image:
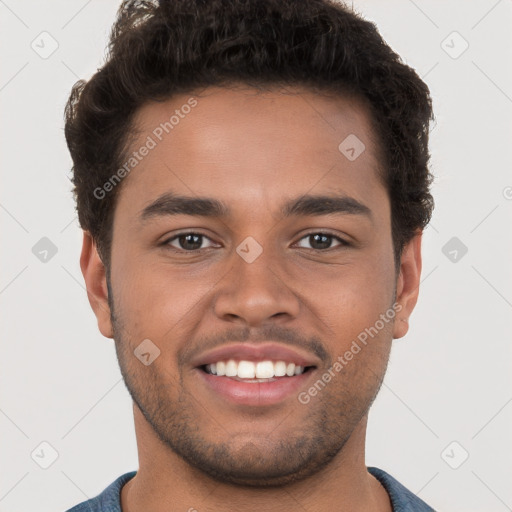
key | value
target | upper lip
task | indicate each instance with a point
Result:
(256, 352)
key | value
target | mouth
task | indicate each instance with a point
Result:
(255, 371)
(256, 383)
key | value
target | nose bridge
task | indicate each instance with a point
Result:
(255, 289)
(256, 263)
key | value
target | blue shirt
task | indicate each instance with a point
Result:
(401, 498)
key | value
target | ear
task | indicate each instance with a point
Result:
(408, 283)
(94, 274)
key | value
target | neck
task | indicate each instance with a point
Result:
(165, 482)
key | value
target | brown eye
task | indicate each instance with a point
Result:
(187, 241)
(320, 241)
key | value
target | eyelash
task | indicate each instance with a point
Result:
(342, 242)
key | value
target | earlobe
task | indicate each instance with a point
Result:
(407, 287)
(94, 274)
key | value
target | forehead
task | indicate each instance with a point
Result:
(247, 147)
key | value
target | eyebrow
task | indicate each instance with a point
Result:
(170, 204)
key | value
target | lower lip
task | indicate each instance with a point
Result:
(255, 393)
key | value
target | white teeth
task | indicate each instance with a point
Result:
(249, 370)
(265, 370)
(231, 368)
(221, 368)
(246, 370)
(280, 369)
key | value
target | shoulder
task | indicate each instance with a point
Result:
(401, 498)
(109, 500)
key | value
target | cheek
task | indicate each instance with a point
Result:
(351, 298)
(156, 302)
(351, 312)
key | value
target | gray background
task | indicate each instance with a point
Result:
(447, 393)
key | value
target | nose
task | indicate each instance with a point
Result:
(254, 292)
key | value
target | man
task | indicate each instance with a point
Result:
(252, 181)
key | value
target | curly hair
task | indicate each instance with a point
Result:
(159, 49)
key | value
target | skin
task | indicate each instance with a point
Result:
(252, 150)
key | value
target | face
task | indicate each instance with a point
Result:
(285, 250)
